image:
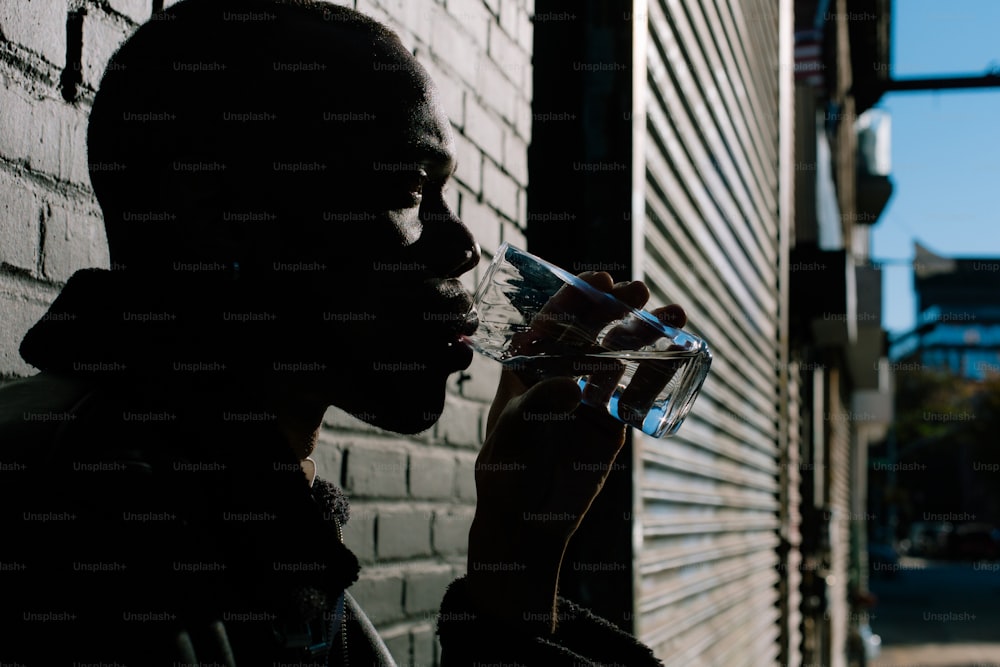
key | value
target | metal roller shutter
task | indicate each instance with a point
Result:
(708, 500)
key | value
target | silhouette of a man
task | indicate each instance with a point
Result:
(271, 176)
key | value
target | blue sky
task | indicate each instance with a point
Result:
(945, 145)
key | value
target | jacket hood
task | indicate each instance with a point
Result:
(107, 324)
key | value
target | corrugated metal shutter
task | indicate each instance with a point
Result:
(792, 567)
(708, 499)
(840, 519)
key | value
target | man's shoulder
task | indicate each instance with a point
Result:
(34, 409)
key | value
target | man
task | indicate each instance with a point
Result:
(271, 176)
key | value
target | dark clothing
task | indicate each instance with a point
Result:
(152, 523)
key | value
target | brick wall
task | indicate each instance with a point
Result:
(413, 498)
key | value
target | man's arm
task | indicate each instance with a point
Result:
(545, 459)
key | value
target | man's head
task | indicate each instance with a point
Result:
(291, 157)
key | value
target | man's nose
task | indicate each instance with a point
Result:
(452, 248)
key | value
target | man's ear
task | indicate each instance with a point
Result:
(197, 192)
(191, 186)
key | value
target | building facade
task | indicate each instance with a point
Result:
(958, 316)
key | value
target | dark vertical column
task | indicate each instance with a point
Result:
(579, 203)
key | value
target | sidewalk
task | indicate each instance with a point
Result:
(939, 655)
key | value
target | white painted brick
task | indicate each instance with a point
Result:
(470, 163)
(39, 26)
(403, 533)
(500, 190)
(397, 640)
(527, 88)
(359, 532)
(432, 473)
(498, 93)
(508, 17)
(102, 35)
(47, 134)
(453, 45)
(515, 158)
(451, 531)
(513, 235)
(475, 17)
(465, 477)
(375, 469)
(328, 457)
(376, 10)
(380, 594)
(58, 137)
(493, 6)
(484, 129)
(525, 29)
(15, 123)
(451, 94)
(20, 224)
(423, 644)
(459, 424)
(19, 315)
(522, 208)
(73, 149)
(415, 17)
(135, 10)
(73, 241)
(522, 121)
(452, 198)
(513, 61)
(482, 221)
(424, 588)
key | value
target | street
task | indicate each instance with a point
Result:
(937, 614)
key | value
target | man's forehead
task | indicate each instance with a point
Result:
(422, 135)
(432, 131)
(391, 102)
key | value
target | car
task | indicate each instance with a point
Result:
(974, 541)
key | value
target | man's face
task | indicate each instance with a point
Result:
(335, 156)
(386, 307)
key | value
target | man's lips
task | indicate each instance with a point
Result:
(454, 312)
(471, 323)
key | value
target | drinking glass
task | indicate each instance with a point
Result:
(541, 321)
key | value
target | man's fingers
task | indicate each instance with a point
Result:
(634, 293)
(672, 315)
(598, 279)
(570, 317)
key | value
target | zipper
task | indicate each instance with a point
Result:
(343, 614)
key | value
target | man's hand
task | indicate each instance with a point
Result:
(545, 459)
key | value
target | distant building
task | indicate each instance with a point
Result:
(958, 316)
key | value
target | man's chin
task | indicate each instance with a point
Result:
(401, 409)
